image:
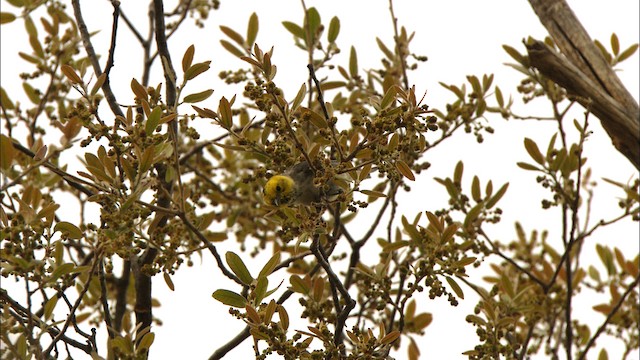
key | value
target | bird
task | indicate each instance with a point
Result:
(296, 186)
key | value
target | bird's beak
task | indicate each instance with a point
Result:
(276, 200)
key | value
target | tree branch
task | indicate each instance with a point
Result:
(585, 73)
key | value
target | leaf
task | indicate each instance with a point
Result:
(6, 17)
(495, 198)
(32, 94)
(226, 116)
(615, 44)
(153, 120)
(527, 166)
(390, 337)
(232, 49)
(299, 285)
(267, 269)
(71, 74)
(334, 29)
(187, 58)
(534, 152)
(284, 316)
(72, 231)
(299, 97)
(312, 23)
(405, 170)
(8, 152)
(233, 35)
(457, 173)
(230, 298)
(61, 270)
(389, 97)
(513, 53)
(196, 69)
(293, 28)
(475, 189)
(252, 29)
(139, 90)
(353, 63)
(168, 281)
(628, 52)
(499, 97)
(99, 82)
(146, 341)
(49, 306)
(455, 287)
(197, 97)
(238, 267)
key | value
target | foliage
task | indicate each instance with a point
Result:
(160, 190)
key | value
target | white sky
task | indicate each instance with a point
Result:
(460, 38)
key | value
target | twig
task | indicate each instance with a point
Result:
(86, 40)
(612, 313)
(75, 306)
(23, 312)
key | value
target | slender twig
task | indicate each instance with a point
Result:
(212, 249)
(396, 37)
(612, 313)
(72, 311)
(93, 58)
(105, 303)
(114, 32)
(21, 312)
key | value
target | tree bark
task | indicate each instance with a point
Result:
(585, 73)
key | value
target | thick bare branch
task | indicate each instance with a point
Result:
(585, 73)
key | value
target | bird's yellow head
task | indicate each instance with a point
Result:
(279, 190)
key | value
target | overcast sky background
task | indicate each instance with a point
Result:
(460, 38)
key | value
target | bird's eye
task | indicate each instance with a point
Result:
(278, 188)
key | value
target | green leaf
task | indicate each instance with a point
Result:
(168, 281)
(353, 63)
(49, 306)
(232, 49)
(196, 69)
(61, 270)
(293, 28)
(628, 52)
(153, 120)
(267, 269)
(405, 170)
(299, 97)
(6, 17)
(8, 152)
(389, 97)
(514, 53)
(457, 172)
(197, 97)
(230, 298)
(455, 287)
(475, 189)
(615, 44)
(334, 29)
(72, 231)
(32, 94)
(495, 198)
(187, 58)
(299, 285)
(261, 289)
(312, 22)
(527, 166)
(252, 29)
(146, 341)
(233, 35)
(534, 152)
(238, 267)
